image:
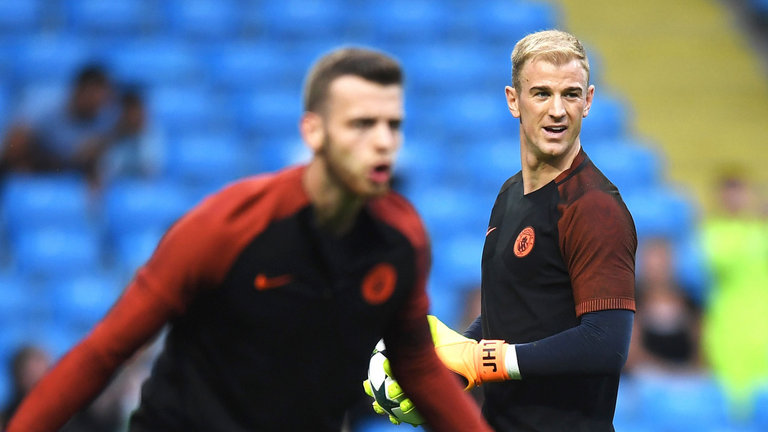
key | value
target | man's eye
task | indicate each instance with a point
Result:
(395, 125)
(363, 123)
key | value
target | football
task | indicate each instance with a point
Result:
(388, 397)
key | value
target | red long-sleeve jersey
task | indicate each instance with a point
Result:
(272, 320)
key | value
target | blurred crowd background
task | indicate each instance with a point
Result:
(117, 116)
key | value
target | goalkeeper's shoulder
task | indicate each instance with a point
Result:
(397, 212)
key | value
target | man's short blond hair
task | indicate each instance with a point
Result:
(555, 46)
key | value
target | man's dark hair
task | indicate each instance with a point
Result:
(371, 65)
(91, 74)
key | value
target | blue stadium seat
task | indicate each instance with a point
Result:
(290, 21)
(630, 166)
(154, 62)
(131, 205)
(277, 153)
(82, 300)
(34, 98)
(445, 67)
(760, 413)
(422, 161)
(691, 266)
(50, 58)
(99, 19)
(186, 109)
(683, 402)
(661, 211)
(208, 160)
(204, 20)
(446, 303)
(21, 17)
(269, 114)
(487, 164)
(51, 200)
(249, 67)
(457, 256)
(56, 252)
(18, 300)
(397, 21)
(505, 22)
(133, 248)
(608, 119)
(475, 116)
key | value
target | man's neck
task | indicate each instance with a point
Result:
(336, 209)
(539, 171)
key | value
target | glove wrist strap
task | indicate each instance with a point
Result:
(490, 361)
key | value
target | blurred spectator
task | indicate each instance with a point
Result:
(69, 134)
(28, 365)
(667, 323)
(735, 331)
(136, 147)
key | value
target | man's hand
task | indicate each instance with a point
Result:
(476, 362)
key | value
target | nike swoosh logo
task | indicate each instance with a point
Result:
(262, 282)
(490, 230)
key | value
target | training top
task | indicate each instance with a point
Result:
(550, 256)
(272, 320)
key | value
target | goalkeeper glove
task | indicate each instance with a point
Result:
(476, 362)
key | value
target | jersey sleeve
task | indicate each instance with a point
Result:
(598, 242)
(181, 265)
(428, 383)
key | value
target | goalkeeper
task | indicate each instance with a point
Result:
(558, 265)
(275, 288)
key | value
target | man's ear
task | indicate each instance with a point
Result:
(512, 101)
(590, 97)
(312, 130)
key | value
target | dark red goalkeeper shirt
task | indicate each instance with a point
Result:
(272, 321)
(550, 256)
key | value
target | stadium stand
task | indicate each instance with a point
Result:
(223, 78)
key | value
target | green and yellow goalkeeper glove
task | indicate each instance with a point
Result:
(476, 362)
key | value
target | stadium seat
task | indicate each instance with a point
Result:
(439, 68)
(56, 252)
(760, 413)
(291, 21)
(187, 109)
(131, 205)
(456, 258)
(691, 266)
(82, 300)
(661, 211)
(50, 58)
(487, 164)
(51, 200)
(21, 17)
(505, 22)
(469, 117)
(250, 67)
(131, 249)
(206, 160)
(154, 62)
(99, 19)
(397, 21)
(277, 153)
(204, 20)
(269, 114)
(677, 402)
(17, 299)
(446, 303)
(630, 166)
(608, 119)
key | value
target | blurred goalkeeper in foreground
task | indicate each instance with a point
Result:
(558, 263)
(277, 287)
